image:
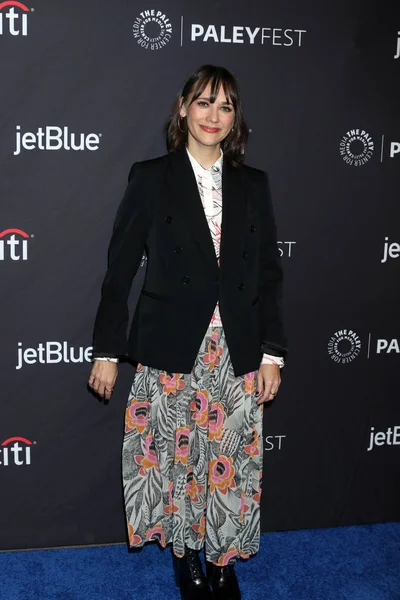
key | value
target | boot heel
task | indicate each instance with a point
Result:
(223, 581)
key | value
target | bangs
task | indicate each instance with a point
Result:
(216, 81)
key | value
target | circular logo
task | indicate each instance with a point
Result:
(152, 29)
(344, 346)
(356, 147)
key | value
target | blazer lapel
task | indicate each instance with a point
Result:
(183, 186)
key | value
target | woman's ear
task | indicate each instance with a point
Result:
(182, 108)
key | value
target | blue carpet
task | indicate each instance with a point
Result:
(343, 563)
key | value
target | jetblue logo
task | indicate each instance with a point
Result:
(52, 353)
(390, 437)
(53, 138)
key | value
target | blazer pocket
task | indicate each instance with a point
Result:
(155, 296)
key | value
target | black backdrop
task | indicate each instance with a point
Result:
(321, 91)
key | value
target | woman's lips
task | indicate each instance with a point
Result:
(210, 129)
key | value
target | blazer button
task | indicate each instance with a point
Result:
(185, 280)
(252, 228)
(241, 287)
(178, 249)
(168, 220)
(245, 255)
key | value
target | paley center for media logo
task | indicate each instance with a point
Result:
(52, 137)
(357, 147)
(345, 345)
(14, 244)
(152, 29)
(52, 353)
(14, 18)
(15, 451)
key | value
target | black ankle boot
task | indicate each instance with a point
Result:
(191, 579)
(223, 581)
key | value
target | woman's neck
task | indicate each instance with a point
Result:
(205, 155)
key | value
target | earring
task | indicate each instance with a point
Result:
(179, 124)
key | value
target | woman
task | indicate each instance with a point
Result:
(207, 334)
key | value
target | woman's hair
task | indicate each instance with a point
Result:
(176, 128)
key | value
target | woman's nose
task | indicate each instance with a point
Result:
(213, 114)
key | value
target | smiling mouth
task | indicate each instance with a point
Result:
(210, 129)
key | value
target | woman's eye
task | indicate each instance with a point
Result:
(227, 108)
(202, 103)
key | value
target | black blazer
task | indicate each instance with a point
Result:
(161, 214)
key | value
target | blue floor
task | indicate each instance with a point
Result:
(352, 563)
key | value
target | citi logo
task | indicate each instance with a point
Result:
(14, 22)
(52, 353)
(15, 451)
(16, 246)
(54, 138)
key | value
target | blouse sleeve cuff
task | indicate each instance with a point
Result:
(107, 358)
(268, 359)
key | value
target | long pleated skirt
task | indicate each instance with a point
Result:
(192, 457)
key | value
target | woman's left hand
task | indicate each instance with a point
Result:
(268, 382)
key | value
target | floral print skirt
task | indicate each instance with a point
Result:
(192, 457)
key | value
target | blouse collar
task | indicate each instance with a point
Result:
(200, 170)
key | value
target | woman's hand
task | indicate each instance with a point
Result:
(102, 378)
(268, 382)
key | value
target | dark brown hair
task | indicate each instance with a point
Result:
(176, 129)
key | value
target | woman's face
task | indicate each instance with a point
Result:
(209, 123)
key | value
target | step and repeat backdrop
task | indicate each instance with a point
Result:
(85, 90)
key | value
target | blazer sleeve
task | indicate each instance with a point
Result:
(131, 226)
(274, 340)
